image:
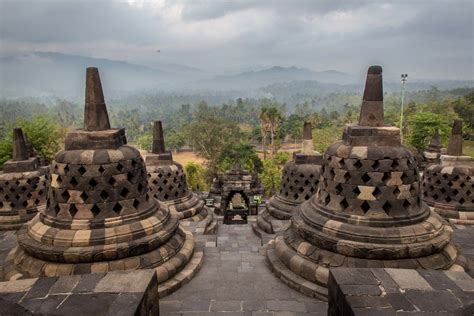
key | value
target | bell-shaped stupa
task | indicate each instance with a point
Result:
(167, 182)
(23, 185)
(99, 214)
(449, 185)
(299, 181)
(367, 211)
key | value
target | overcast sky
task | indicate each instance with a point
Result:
(426, 38)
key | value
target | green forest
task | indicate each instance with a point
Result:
(252, 132)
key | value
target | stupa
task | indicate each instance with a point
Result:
(367, 211)
(448, 186)
(99, 214)
(23, 185)
(167, 182)
(433, 151)
(299, 181)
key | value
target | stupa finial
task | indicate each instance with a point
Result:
(371, 111)
(455, 140)
(308, 147)
(96, 117)
(158, 146)
(20, 152)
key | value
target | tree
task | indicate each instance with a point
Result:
(271, 120)
(324, 137)
(272, 168)
(46, 136)
(195, 176)
(210, 134)
(243, 153)
(264, 128)
(174, 140)
(423, 125)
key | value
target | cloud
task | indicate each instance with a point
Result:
(429, 38)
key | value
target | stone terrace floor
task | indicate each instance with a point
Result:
(235, 280)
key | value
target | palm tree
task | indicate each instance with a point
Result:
(264, 127)
(274, 119)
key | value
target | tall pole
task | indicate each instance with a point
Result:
(403, 81)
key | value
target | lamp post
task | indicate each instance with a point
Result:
(403, 81)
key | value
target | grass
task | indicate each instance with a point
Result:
(468, 148)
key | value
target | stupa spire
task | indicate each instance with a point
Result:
(20, 152)
(158, 146)
(308, 146)
(371, 111)
(96, 117)
(455, 140)
(436, 139)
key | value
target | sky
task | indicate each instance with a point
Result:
(428, 39)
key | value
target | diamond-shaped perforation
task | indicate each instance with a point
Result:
(365, 206)
(65, 195)
(95, 210)
(72, 210)
(117, 208)
(82, 170)
(93, 183)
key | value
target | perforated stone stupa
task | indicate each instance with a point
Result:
(100, 215)
(167, 182)
(23, 185)
(367, 212)
(299, 181)
(449, 185)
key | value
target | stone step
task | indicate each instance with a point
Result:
(292, 279)
(183, 277)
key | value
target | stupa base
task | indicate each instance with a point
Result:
(16, 221)
(305, 267)
(175, 263)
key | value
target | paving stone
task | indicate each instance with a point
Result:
(432, 301)
(282, 305)
(408, 279)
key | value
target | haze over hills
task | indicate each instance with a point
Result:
(56, 74)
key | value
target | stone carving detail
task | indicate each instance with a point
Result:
(449, 185)
(23, 184)
(99, 214)
(367, 212)
(299, 181)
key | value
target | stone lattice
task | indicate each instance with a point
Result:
(99, 214)
(299, 181)
(167, 182)
(367, 212)
(449, 186)
(23, 184)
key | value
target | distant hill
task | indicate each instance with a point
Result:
(47, 74)
(276, 74)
